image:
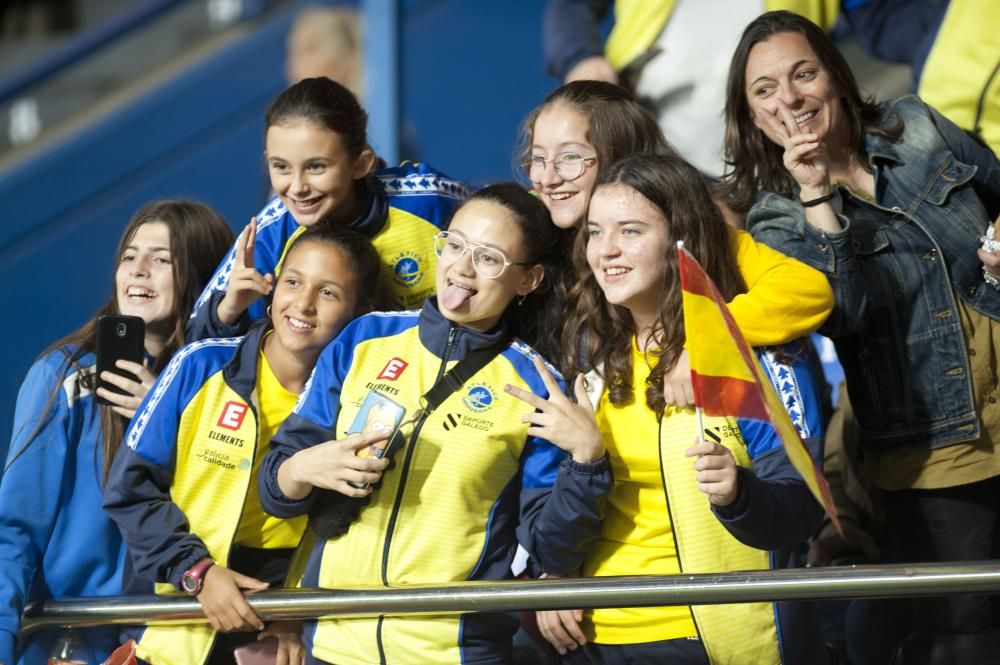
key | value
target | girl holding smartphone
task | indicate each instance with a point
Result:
(55, 541)
(183, 490)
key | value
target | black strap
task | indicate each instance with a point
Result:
(456, 377)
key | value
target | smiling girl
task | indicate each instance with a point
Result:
(55, 541)
(685, 500)
(323, 171)
(184, 491)
(469, 480)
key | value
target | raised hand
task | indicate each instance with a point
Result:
(223, 601)
(245, 284)
(716, 471)
(806, 157)
(333, 465)
(127, 404)
(571, 426)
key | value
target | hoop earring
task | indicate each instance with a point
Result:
(268, 311)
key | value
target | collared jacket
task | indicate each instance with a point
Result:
(55, 541)
(896, 270)
(404, 208)
(178, 486)
(466, 487)
(774, 514)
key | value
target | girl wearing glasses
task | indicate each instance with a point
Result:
(583, 127)
(323, 171)
(467, 481)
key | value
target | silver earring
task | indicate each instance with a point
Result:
(268, 311)
(520, 301)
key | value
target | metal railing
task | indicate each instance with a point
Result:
(513, 595)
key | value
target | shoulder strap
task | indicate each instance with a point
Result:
(456, 377)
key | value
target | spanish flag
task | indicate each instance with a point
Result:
(726, 377)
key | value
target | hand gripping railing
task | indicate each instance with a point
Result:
(512, 595)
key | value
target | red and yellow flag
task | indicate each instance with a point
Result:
(726, 377)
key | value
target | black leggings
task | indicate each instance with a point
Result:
(951, 524)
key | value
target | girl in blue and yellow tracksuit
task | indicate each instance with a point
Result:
(469, 481)
(322, 170)
(183, 489)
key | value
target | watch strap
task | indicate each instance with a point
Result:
(194, 577)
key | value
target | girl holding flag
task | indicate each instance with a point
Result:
(625, 334)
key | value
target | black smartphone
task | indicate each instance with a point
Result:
(119, 338)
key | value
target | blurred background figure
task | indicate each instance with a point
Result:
(953, 50)
(327, 41)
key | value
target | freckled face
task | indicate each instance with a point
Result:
(626, 247)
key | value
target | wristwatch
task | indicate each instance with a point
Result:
(194, 577)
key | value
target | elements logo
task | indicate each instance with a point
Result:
(393, 369)
(232, 416)
(479, 398)
(407, 269)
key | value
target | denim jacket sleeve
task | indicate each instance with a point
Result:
(781, 224)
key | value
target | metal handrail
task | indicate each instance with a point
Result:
(86, 44)
(513, 595)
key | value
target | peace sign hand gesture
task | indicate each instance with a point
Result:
(571, 426)
(806, 157)
(245, 284)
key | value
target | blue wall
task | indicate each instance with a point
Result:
(470, 72)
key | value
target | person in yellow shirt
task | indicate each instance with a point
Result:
(684, 500)
(184, 489)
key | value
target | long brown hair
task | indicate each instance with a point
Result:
(599, 334)
(754, 162)
(199, 238)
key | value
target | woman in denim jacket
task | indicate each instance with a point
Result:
(890, 201)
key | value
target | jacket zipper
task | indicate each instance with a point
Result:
(452, 334)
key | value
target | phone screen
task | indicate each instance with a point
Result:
(119, 337)
(377, 413)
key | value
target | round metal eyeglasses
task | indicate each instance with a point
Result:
(488, 261)
(568, 165)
